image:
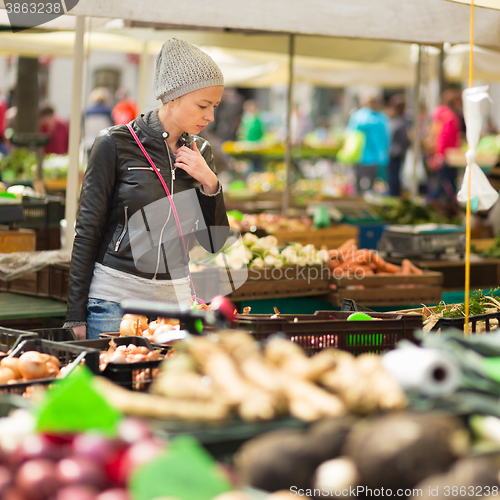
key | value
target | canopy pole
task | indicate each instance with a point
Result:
(143, 76)
(74, 134)
(288, 140)
(416, 131)
(468, 209)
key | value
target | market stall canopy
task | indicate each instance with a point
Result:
(390, 63)
(422, 21)
(489, 4)
(486, 63)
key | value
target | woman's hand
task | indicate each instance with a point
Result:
(195, 165)
(80, 331)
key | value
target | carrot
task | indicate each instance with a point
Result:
(363, 256)
(348, 264)
(406, 267)
(391, 268)
(415, 269)
(347, 249)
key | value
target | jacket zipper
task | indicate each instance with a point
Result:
(140, 168)
(122, 235)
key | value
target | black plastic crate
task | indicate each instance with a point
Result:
(65, 353)
(55, 334)
(9, 338)
(460, 322)
(43, 213)
(134, 376)
(326, 329)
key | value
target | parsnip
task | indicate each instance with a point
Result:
(309, 402)
(220, 367)
(149, 405)
(246, 352)
(288, 356)
(184, 385)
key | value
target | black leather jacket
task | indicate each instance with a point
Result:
(121, 190)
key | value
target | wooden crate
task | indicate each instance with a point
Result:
(388, 290)
(484, 273)
(19, 240)
(59, 281)
(332, 236)
(290, 281)
(36, 283)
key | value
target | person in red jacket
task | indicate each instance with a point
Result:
(446, 133)
(125, 109)
(54, 126)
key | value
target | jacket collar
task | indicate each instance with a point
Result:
(186, 138)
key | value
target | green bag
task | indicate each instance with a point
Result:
(352, 149)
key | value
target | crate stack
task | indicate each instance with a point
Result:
(43, 215)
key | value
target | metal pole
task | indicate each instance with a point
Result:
(143, 76)
(416, 134)
(288, 140)
(74, 134)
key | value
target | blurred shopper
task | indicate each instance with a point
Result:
(400, 127)
(4, 106)
(56, 127)
(228, 115)
(444, 133)
(98, 116)
(125, 109)
(251, 127)
(374, 125)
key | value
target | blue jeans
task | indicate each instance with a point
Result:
(103, 316)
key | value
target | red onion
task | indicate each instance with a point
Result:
(139, 453)
(5, 479)
(37, 479)
(114, 494)
(80, 470)
(36, 446)
(96, 447)
(78, 492)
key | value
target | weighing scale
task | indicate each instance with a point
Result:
(422, 240)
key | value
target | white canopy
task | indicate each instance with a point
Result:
(422, 21)
(489, 4)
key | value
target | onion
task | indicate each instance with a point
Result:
(78, 492)
(128, 327)
(36, 446)
(37, 479)
(6, 375)
(13, 493)
(139, 453)
(142, 321)
(131, 430)
(32, 364)
(12, 363)
(52, 370)
(80, 470)
(95, 447)
(5, 479)
(118, 357)
(114, 494)
(55, 361)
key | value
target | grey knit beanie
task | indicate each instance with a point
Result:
(182, 68)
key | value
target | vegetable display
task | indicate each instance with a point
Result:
(348, 260)
(86, 466)
(31, 365)
(405, 211)
(213, 379)
(479, 303)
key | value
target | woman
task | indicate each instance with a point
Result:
(130, 237)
